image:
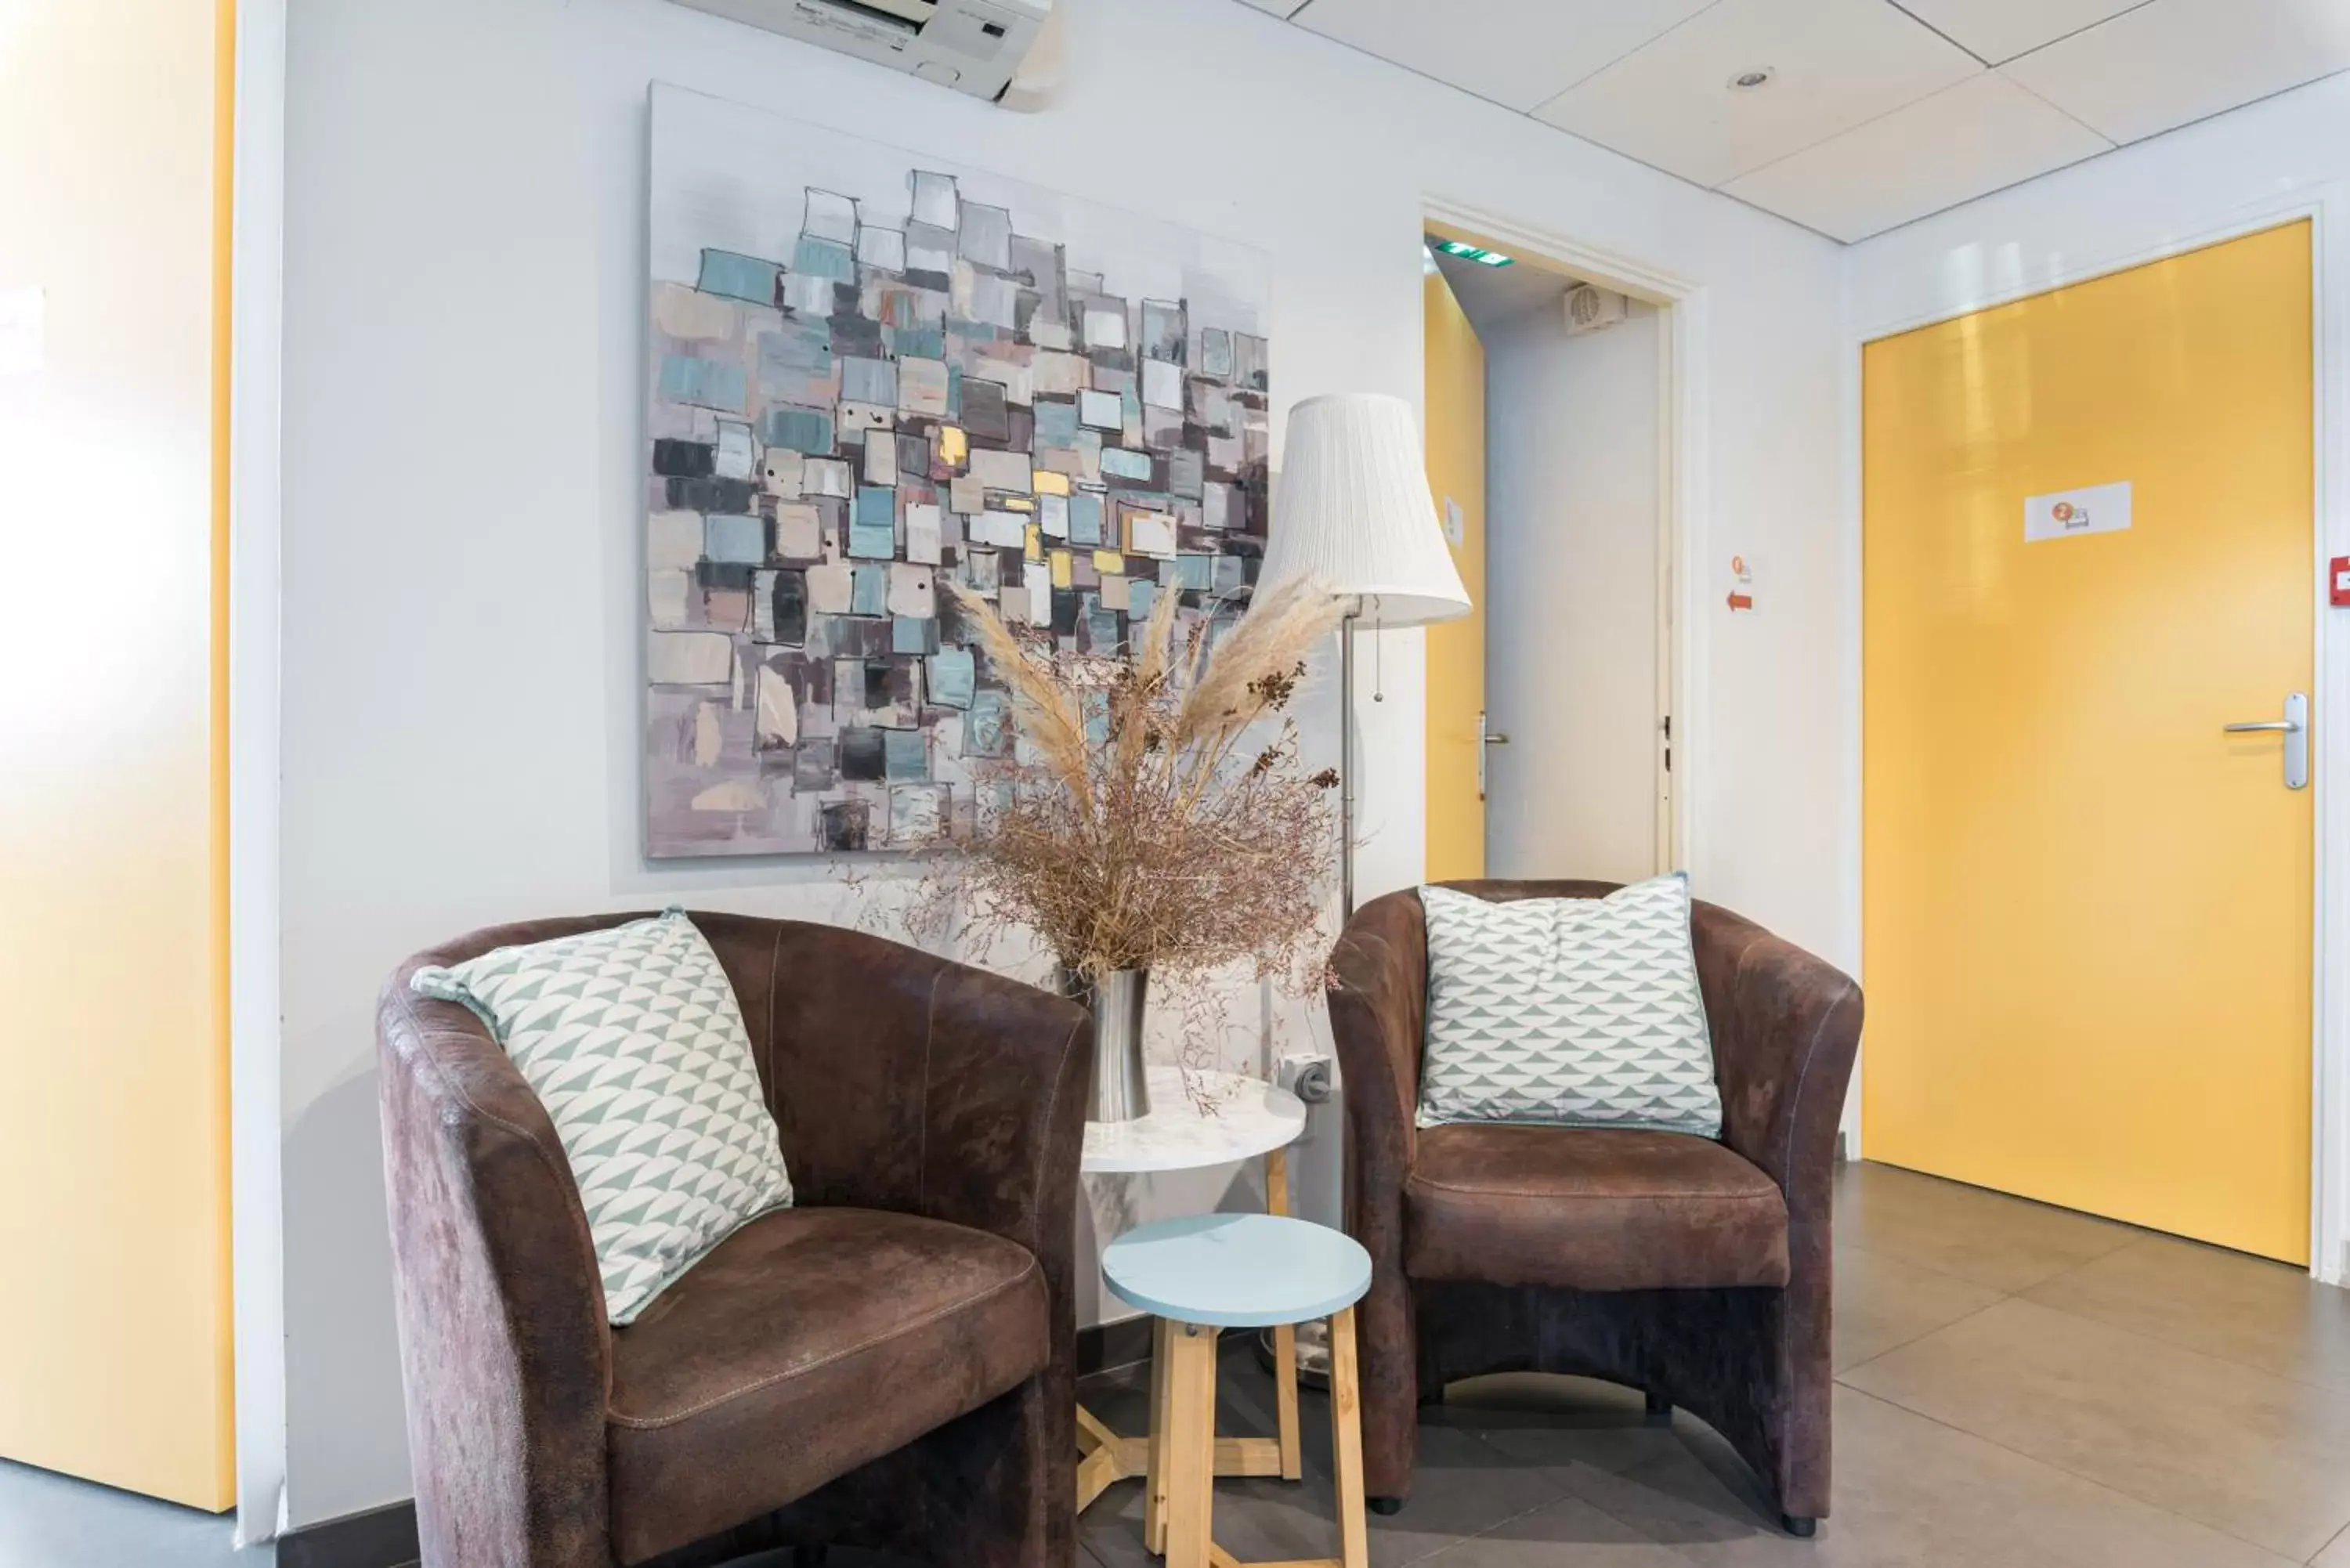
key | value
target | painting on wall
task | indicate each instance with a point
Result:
(872, 373)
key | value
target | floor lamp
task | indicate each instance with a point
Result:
(1351, 512)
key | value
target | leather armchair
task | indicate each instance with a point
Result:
(1697, 1271)
(884, 1364)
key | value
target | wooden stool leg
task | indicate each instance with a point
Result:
(1190, 1445)
(1284, 1338)
(1099, 1467)
(1347, 1443)
(1285, 1397)
(1277, 1200)
(1154, 1485)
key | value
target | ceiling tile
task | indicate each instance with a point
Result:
(1516, 52)
(1965, 142)
(2172, 61)
(1838, 62)
(2002, 30)
(1278, 8)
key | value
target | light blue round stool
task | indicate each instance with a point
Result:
(1199, 1275)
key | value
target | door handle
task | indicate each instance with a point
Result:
(2294, 728)
(1485, 737)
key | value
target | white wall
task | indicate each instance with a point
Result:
(2283, 157)
(1573, 531)
(464, 255)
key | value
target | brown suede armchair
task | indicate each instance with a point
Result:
(1696, 1271)
(884, 1364)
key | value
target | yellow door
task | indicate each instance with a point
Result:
(2087, 909)
(1456, 649)
(114, 1156)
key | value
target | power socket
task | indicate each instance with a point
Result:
(1308, 1075)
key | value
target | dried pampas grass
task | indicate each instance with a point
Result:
(1156, 815)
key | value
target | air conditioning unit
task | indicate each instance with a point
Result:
(1590, 308)
(976, 47)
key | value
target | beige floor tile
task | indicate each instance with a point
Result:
(1460, 1488)
(1883, 1302)
(2258, 1456)
(2336, 1553)
(1571, 1531)
(2247, 1310)
(2001, 1242)
(1909, 1494)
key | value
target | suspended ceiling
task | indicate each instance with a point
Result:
(1873, 113)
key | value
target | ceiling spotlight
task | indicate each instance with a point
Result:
(1747, 81)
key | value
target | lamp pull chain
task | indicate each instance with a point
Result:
(1378, 657)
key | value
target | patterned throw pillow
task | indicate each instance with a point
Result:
(632, 1038)
(1567, 1012)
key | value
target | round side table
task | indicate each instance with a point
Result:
(1208, 1272)
(1249, 1117)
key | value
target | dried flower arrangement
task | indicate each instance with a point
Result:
(1161, 824)
(1156, 813)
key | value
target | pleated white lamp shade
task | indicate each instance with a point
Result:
(1351, 510)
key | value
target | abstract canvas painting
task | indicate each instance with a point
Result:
(873, 373)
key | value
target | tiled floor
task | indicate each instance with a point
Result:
(2018, 1388)
(49, 1520)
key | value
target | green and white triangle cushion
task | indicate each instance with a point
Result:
(1568, 1012)
(632, 1038)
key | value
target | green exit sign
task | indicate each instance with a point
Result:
(1468, 252)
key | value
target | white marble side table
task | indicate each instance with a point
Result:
(1249, 1117)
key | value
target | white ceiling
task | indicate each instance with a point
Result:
(1875, 112)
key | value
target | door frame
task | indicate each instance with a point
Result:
(2326, 208)
(1683, 493)
(256, 1218)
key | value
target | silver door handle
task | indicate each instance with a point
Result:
(1486, 738)
(2294, 728)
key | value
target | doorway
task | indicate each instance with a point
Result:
(1549, 728)
(2088, 904)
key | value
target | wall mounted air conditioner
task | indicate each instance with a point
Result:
(976, 47)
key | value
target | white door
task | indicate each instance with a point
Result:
(1573, 656)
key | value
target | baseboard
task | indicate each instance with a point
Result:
(1107, 1347)
(379, 1538)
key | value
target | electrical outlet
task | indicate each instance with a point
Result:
(1306, 1074)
